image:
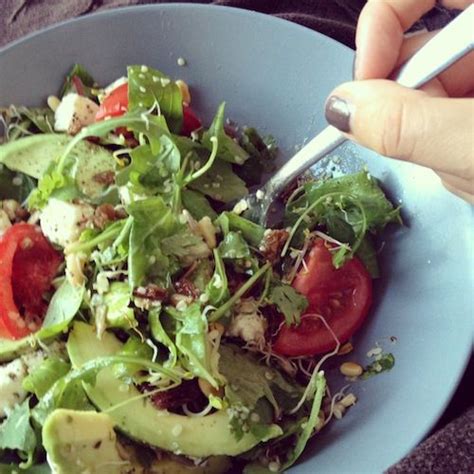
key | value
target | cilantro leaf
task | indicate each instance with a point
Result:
(289, 302)
(197, 204)
(381, 364)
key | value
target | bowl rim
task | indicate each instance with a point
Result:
(245, 13)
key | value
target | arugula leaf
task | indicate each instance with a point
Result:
(234, 246)
(229, 150)
(193, 343)
(152, 221)
(220, 183)
(353, 201)
(307, 428)
(252, 233)
(197, 204)
(36, 469)
(217, 289)
(17, 434)
(160, 335)
(79, 81)
(147, 87)
(185, 244)
(62, 308)
(152, 172)
(289, 302)
(262, 154)
(44, 376)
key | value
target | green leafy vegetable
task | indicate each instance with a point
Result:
(251, 232)
(197, 204)
(62, 308)
(354, 201)
(79, 81)
(193, 343)
(289, 302)
(43, 377)
(262, 154)
(160, 335)
(381, 364)
(17, 434)
(117, 301)
(148, 87)
(136, 348)
(234, 246)
(220, 183)
(217, 288)
(229, 150)
(15, 185)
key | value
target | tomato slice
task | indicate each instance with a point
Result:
(342, 296)
(115, 104)
(190, 121)
(28, 264)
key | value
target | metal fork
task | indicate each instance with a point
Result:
(452, 43)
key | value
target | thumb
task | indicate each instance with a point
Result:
(406, 124)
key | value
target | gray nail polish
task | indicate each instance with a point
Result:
(338, 113)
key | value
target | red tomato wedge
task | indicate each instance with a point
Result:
(114, 104)
(28, 264)
(190, 121)
(341, 296)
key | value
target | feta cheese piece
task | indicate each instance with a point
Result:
(11, 379)
(62, 222)
(74, 112)
(248, 324)
(4, 222)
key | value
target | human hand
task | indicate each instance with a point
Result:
(434, 126)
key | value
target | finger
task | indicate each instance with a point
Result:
(457, 80)
(459, 183)
(462, 194)
(380, 34)
(406, 124)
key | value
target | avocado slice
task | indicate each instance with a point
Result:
(35, 154)
(192, 436)
(11, 349)
(82, 441)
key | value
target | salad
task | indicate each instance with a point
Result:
(146, 325)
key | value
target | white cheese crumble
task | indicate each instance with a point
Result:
(62, 222)
(74, 112)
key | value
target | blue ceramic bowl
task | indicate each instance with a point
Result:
(276, 75)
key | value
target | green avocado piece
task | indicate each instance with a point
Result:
(32, 155)
(35, 154)
(192, 436)
(82, 441)
(10, 349)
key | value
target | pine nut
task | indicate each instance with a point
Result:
(207, 389)
(351, 369)
(345, 349)
(53, 102)
(348, 400)
(184, 89)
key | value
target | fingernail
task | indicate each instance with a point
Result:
(338, 113)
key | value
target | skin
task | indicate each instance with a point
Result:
(433, 127)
